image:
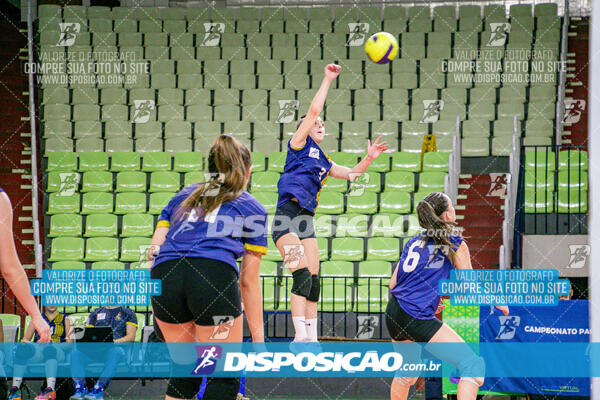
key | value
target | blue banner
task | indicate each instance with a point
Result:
(525, 361)
(566, 325)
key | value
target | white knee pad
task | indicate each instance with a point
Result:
(476, 381)
(406, 380)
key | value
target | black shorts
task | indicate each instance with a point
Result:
(196, 289)
(402, 326)
(291, 218)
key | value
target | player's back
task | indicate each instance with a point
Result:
(421, 266)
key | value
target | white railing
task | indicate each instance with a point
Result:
(562, 79)
(451, 180)
(34, 173)
(510, 199)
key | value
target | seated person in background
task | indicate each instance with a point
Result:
(123, 322)
(60, 331)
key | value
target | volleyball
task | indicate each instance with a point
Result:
(381, 47)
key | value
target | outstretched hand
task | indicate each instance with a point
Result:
(374, 150)
(332, 71)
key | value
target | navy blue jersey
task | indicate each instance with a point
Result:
(224, 234)
(420, 269)
(1, 190)
(305, 172)
(117, 318)
(57, 328)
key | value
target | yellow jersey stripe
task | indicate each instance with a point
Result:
(256, 248)
(163, 223)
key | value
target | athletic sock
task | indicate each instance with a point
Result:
(300, 329)
(311, 330)
(17, 382)
(51, 383)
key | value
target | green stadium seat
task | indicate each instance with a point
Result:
(414, 128)
(187, 161)
(58, 204)
(365, 203)
(129, 203)
(264, 181)
(475, 147)
(501, 146)
(383, 249)
(107, 265)
(388, 224)
(336, 185)
(537, 141)
(177, 144)
(93, 162)
(572, 201)
(347, 249)
(542, 159)
(101, 249)
(371, 296)
(158, 201)
(65, 225)
(164, 181)
(402, 161)
(545, 9)
(258, 161)
(509, 110)
(97, 203)
(137, 225)
(134, 248)
(62, 161)
(435, 161)
(97, 181)
(540, 201)
(572, 159)
(124, 161)
(276, 161)
(60, 181)
(395, 201)
(131, 181)
(101, 225)
(337, 268)
(381, 163)
(156, 161)
(400, 180)
(57, 129)
(118, 144)
(336, 296)
(572, 179)
(268, 292)
(66, 249)
(374, 269)
(323, 226)
(392, 112)
(331, 203)
(193, 177)
(432, 181)
(539, 127)
(268, 200)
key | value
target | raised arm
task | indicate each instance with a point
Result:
(351, 174)
(316, 106)
(252, 294)
(13, 271)
(463, 261)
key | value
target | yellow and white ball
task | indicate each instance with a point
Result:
(381, 47)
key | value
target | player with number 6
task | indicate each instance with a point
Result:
(307, 167)
(410, 315)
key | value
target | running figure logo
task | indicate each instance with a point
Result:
(508, 327)
(358, 183)
(287, 111)
(579, 255)
(431, 110)
(212, 35)
(223, 325)
(366, 326)
(292, 254)
(573, 111)
(69, 182)
(498, 184)
(142, 111)
(68, 33)
(499, 33)
(207, 359)
(358, 33)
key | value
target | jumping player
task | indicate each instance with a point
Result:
(306, 170)
(410, 315)
(200, 234)
(13, 272)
